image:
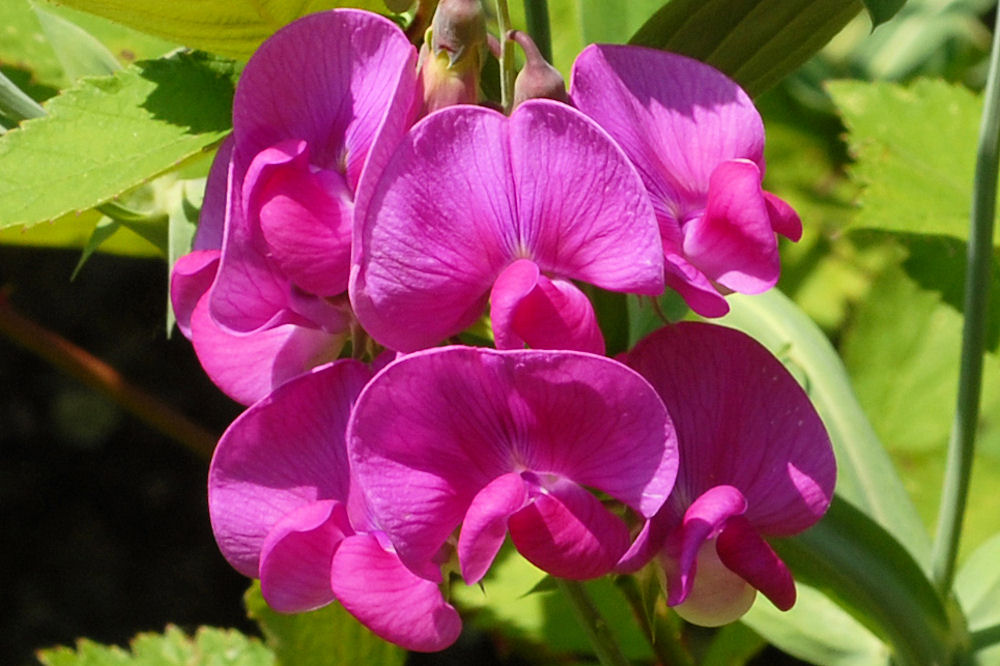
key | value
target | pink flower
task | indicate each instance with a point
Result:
(698, 142)
(315, 107)
(285, 508)
(474, 205)
(502, 441)
(756, 462)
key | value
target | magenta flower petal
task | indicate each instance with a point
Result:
(436, 427)
(330, 79)
(485, 525)
(529, 308)
(212, 219)
(702, 521)
(401, 607)
(190, 279)
(469, 192)
(304, 216)
(741, 420)
(696, 289)
(732, 242)
(583, 212)
(743, 551)
(681, 122)
(568, 533)
(285, 452)
(296, 555)
(437, 231)
(249, 366)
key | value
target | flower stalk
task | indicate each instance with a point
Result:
(593, 623)
(961, 446)
(507, 72)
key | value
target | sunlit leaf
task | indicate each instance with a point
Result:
(232, 28)
(852, 560)
(208, 647)
(756, 42)
(865, 474)
(107, 135)
(321, 637)
(73, 230)
(816, 630)
(79, 53)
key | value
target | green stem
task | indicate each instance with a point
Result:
(507, 72)
(961, 446)
(663, 639)
(594, 625)
(536, 16)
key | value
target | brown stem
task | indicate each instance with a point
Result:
(104, 379)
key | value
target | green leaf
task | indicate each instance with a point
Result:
(902, 351)
(321, 637)
(865, 474)
(233, 28)
(543, 617)
(615, 22)
(73, 231)
(79, 53)
(208, 647)
(816, 630)
(756, 42)
(108, 135)
(15, 104)
(883, 10)
(914, 180)
(733, 645)
(852, 560)
(978, 586)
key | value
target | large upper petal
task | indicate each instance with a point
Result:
(331, 79)
(675, 117)
(435, 427)
(282, 454)
(742, 420)
(582, 211)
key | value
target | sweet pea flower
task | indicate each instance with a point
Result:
(245, 366)
(474, 206)
(756, 462)
(510, 441)
(285, 508)
(698, 142)
(316, 106)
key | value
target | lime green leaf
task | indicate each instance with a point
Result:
(848, 557)
(321, 637)
(914, 180)
(208, 647)
(73, 230)
(816, 630)
(756, 42)
(15, 104)
(883, 10)
(108, 135)
(79, 53)
(865, 474)
(104, 230)
(978, 586)
(515, 600)
(614, 22)
(902, 352)
(232, 28)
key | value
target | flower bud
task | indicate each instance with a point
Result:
(537, 78)
(452, 55)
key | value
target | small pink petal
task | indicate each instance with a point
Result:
(746, 553)
(304, 215)
(249, 366)
(732, 242)
(529, 308)
(283, 453)
(485, 524)
(190, 279)
(705, 516)
(784, 219)
(392, 601)
(696, 289)
(568, 533)
(295, 558)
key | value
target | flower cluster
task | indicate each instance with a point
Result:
(364, 203)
